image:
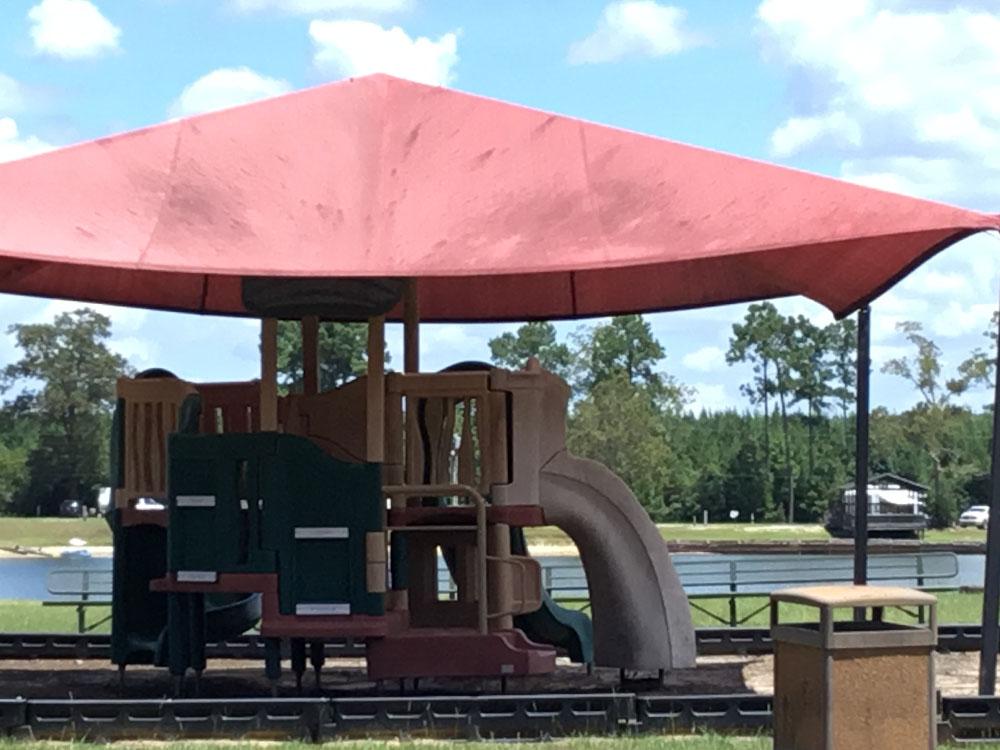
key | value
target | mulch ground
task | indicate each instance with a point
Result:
(957, 674)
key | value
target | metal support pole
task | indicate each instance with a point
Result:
(991, 582)
(861, 448)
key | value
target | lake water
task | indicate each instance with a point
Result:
(27, 578)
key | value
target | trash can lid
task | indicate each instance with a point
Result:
(854, 596)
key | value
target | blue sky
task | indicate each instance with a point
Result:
(900, 94)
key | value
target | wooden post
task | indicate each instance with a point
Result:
(268, 375)
(411, 328)
(310, 355)
(376, 390)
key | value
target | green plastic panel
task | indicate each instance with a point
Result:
(324, 493)
(224, 536)
(117, 465)
(262, 487)
(138, 615)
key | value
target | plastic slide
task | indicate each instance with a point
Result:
(567, 629)
(139, 616)
(640, 612)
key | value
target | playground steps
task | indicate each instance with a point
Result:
(457, 652)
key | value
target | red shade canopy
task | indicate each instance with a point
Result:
(502, 212)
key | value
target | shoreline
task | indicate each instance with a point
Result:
(17, 552)
(101, 552)
(568, 549)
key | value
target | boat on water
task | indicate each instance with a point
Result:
(897, 507)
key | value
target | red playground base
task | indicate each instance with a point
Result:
(451, 652)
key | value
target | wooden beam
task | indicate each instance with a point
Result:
(269, 375)
(310, 355)
(411, 328)
(376, 390)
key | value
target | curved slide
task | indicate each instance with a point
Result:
(641, 615)
(139, 616)
(566, 629)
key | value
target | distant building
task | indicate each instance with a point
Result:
(897, 506)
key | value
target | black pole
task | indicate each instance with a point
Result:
(861, 448)
(991, 582)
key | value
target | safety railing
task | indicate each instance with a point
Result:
(82, 588)
(397, 493)
(443, 427)
(731, 579)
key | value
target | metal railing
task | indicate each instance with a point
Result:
(703, 579)
(402, 491)
(752, 576)
(758, 575)
(85, 587)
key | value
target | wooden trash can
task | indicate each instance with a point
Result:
(845, 684)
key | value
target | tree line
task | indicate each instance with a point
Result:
(782, 457)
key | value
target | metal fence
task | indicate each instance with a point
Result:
(736, 577)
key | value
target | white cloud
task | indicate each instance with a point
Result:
(123, 319)
(978, 260)
(12, 98)
(894, 307)
(72, 29)
(794, 306)
(919, 176)
(882, 353)
(357, 48)
(797, 132)
(15, 146)
(705, 359)
(708, 397)
(956, 319)
(931, 281)
(319, 7)
(226, 87)
(141, 353)
(634, 28)
(907, 95)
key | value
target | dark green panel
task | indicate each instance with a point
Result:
(116, 457)
(287, 483)
(226, 537)
(138, 615)
(325, 493)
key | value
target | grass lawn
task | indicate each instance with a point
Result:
(22, 616)
(587, 743)
(953, 607)
(53, 532)
(762, 532)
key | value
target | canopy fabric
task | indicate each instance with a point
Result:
(501, 212)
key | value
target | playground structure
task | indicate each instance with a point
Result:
(375, 199)
(330, 525)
